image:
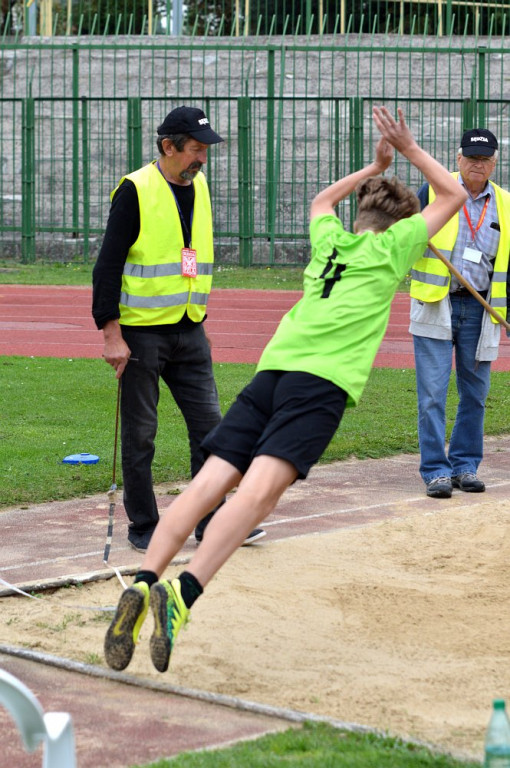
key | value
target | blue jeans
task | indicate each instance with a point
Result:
(183, 362)
(433, 361)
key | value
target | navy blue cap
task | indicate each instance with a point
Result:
(478, 141)
(189, 120)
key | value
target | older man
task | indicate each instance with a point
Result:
(446, 316)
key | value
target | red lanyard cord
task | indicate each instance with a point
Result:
(480, 220)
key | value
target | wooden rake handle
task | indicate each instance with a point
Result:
(470, 288)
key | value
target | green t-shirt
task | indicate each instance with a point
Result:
(335, 329)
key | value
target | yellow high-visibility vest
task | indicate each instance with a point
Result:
(430, 278)
(154, 292)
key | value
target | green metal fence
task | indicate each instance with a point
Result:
(77, 114)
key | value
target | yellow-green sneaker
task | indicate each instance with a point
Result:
(122, 634)
(170, 614)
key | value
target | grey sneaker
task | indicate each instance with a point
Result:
(139, 541)
(468, 481)
(253, 536)
(440, 488)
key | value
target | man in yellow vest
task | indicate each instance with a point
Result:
(151, 284)
(445, 316)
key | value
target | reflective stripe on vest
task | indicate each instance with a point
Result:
(430, 278)
(424, 277)
(158, 302)
(154, 292)
(499, 276)
(162, 270)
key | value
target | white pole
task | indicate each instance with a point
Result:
(31, 17)
(177, 17)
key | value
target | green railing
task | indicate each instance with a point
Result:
(76, 115)
(244, 18)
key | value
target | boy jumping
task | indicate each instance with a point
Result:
(316, 364)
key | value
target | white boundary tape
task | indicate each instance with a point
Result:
(117, 573)
(80, 578)
(54, 602)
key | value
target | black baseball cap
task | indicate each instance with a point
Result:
(478, 141)
(189, 120)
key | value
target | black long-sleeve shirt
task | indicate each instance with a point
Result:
(122, 230)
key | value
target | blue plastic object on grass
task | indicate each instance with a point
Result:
(81, 458)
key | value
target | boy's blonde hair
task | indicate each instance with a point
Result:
(382, 202)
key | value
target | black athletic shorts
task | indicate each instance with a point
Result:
(291, 415)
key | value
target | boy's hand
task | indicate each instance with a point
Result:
(398, 134)
(383, 154)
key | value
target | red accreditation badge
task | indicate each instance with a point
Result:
(188, 262)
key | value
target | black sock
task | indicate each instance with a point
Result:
(191, 589)
(149, 577)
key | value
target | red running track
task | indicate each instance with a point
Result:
(55, 321)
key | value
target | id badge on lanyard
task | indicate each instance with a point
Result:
(188, 262)
(472, 253)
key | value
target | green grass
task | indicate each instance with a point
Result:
(54, 407)
(45, 273)
(316, 746)
(80, 273)
(77, 272)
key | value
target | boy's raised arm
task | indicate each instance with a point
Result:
(450, 195)
(328, 198)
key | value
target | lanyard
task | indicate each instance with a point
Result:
(186, 229)
(480, 220)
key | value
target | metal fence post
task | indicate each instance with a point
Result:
(449, 17)
(336, 139)
(276, 161)
(76, 142)
(355, 143)
(28, 181)
(468, 114)
(245, 182)
(134, 138)
(270, 165)
(85, 178)
(308, 16)
(482, 52)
